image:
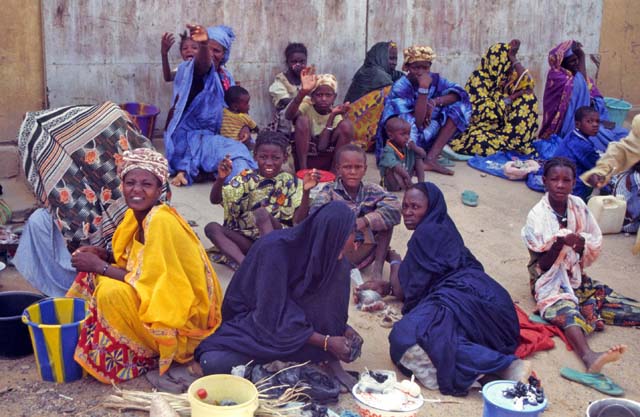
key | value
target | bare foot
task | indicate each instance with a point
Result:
(179, 180)
(348, 381)
(519, 370)
(431, 165)
(596, 360)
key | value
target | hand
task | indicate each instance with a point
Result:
(352, 334)
(308, 80)
(224, 167)
(407, 181)
(596, 181)
(381, 287)
(608, 124)
(571, 239)
(311, 179)
(102, 253)
(514, 46)
(341, 109)
(244, 134)
(424, 80)
(340, 347)
(167, 42)
(87, 262)
(198, 33)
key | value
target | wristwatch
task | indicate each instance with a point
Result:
(423, 90)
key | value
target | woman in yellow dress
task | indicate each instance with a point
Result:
(156, 296)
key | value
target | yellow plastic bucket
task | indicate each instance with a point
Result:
(223, 387)
(54, 325)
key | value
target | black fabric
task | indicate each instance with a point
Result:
(373, 74)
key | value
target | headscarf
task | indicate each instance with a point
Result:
(224, 36)
(417, 53)
(327, 79)
(374, 73)
(434, 250)
(290, 284)
(558, 90)
(146, 159)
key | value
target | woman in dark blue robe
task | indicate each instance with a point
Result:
(459, 324)
(289, 299)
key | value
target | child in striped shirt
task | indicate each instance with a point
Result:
(236, 122)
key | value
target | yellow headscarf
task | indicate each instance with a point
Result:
(417, 53)
(327, 79)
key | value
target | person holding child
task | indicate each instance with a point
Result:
(236, 122)
(563, 238)
(193, 144)
(377, 211)
(436, 108)
(188, 50)
(319, 126)
(401, 157)
(256, 202)
(286, 85)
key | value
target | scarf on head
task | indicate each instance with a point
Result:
(224, 36)
(416, 54)
(146, 159)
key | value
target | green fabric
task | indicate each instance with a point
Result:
(390, 159)
(373, 74)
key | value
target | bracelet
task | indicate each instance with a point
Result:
(104, 269)
(423, 90)
(329, 128)
(326, 342)
(396, 262)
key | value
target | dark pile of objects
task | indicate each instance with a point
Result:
(523, 394)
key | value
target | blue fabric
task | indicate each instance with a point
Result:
(582, 151)
(581, 96)
(463, 319)
(42, 257)
(401, 102)
(494, 164)
(224, 36)
(290, 284)
(191, 140)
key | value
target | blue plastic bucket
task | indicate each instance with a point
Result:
(144, 116)
(617, 109)
(54, 326)
(497, 405)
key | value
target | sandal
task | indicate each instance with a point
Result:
(599, 382)
(469, 198)
(183, 374)
(451, 154)
(165, 383)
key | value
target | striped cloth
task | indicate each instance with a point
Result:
(69, 156)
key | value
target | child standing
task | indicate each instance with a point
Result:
(257, 202)
(401, 157)
(286, 85)
(236, 122)
(578, 147)
(188, 49)
(319, 127)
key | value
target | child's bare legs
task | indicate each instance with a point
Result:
(302, 138)
(342, 135)
(230, 242)
(392, 180)
(419, 169)
(444, 136)
(383, 240)
(265, 221)
(593, 361)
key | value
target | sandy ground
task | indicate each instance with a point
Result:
(491, 231)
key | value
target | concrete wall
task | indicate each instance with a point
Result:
(620, 51)
(21, 64)
(97, 50)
